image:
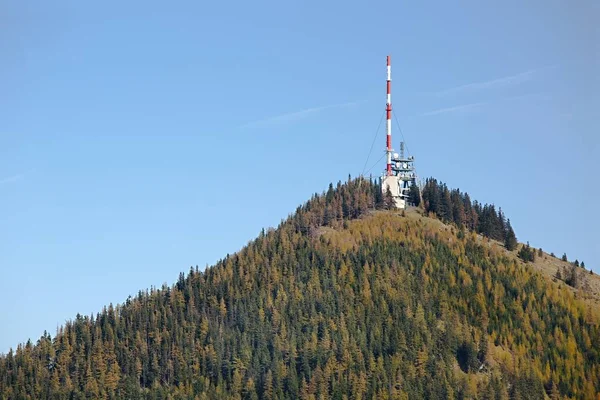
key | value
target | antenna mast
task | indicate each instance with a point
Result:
(399, 173)
(388, 126)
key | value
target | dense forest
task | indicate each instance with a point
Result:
(455, 206)
(344, 299)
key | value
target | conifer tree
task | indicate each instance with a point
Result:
(445, 212)
(388, 201)
(572, 277)
(414, 196)
(458, 208)
(510, 240)
(554, 393)
(378, 196)
(502, 228)
(483, 349)
(526, 253)
(558, 275)
(431, 196)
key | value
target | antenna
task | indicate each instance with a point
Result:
(400, 173)
(388, 126)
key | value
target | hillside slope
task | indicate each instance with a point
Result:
(338, 302)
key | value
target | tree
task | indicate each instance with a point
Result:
(510, 241)
(558, 275)
(483, 348)
(431, 196)
(414, 196)
(554, 393)
(378, 196)
(470, 214)
(268, 385)
(572, 277)
(489, 223)
(564, 257)
(250, 390)
(466, 355)
(526, 253)
(458, 208)
(445, 211)
(388, 200)
(501, 223)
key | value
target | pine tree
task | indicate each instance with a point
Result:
(510, 240)
(388, 200)
(414, 197)
(526, 253)
(558, 275)
(470, 220)
(458, 208)
(445, 212)
(502, 224)
(571, 276)
(378, 196)
(483, 348)
(431, 196)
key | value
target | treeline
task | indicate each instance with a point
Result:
(452, 205)
(339, 203)
(355, 197)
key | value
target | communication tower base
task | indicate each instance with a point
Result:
(395, 184)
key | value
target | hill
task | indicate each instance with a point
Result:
(340, 301)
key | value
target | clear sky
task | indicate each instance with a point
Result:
(139, 140)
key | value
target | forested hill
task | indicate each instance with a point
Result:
(340, 301)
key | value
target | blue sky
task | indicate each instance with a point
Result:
(138, 140)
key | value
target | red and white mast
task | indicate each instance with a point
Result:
(388, 126)
(400, 170)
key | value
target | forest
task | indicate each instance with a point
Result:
(456, 207)
(346, 298)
